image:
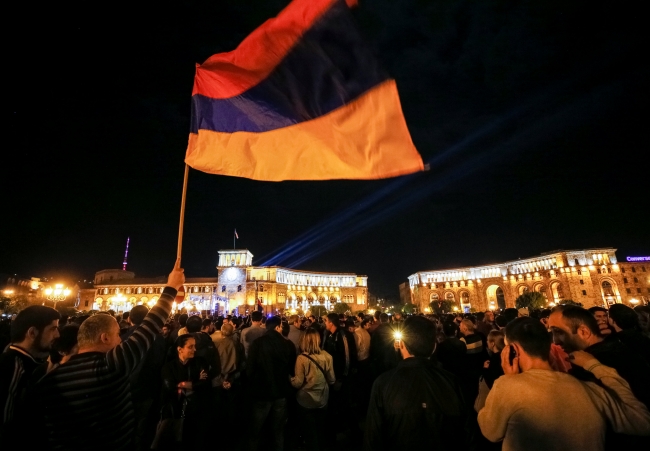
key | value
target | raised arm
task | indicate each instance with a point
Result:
(126, 356)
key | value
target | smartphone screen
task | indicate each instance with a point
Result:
(513, 354)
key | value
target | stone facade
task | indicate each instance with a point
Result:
(237, 288)
(593, 277)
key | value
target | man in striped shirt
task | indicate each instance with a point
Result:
(32, 334)
(86, 402)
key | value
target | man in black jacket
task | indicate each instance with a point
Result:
(417, 405)
(625, 323)
(271, 360)
(145, 381)
(575, 329)
(32, 334)
(340, 344)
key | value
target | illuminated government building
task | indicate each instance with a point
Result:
(237, 287)
(593, 277)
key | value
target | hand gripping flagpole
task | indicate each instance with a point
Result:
(180, 226)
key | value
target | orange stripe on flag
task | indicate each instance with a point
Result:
(365, 139)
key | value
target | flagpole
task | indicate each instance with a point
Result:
(180, 226)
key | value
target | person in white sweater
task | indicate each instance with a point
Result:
(533, 407)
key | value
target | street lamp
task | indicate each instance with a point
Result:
(56, 294)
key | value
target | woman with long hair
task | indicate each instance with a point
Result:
(314, 374)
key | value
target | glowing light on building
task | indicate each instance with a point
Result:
(638, 259)
(126, 253)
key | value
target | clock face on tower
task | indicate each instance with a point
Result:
(231, 274)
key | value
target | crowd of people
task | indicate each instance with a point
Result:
(561, 379)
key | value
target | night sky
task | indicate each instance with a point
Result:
(532, 114)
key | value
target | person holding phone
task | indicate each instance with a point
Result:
(533, 407)
(186, 387)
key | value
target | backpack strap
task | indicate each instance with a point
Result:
(317, 365)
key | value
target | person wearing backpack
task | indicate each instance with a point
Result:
(314, 374)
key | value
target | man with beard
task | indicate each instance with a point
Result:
(32, 334)
(575, 329)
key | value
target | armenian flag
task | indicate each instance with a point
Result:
(301, 98)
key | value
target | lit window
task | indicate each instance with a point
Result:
(608, 290)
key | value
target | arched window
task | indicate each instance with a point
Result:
(450, 296)
(501, 298)
(434, 297)
(608, 290)
(464, 297)
(558, 292)
(523, 289)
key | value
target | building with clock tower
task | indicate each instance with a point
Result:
(238, 287)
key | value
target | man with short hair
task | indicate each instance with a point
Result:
(364, 371)
(362, 341)
(294, 331)
(32, 333)
(551, 409)
(417, 405)
(575, 329)
(145, 380)
(124, 322)
(86, 402)
(205, 347)
(180, 330)
(339, 343)
(270, 364)
(207, 326)
(625, 323)
(206, 350)
(382, 348)
(253, 332)
(601, 316)
(485, 323)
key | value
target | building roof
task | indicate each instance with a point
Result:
(160, 280)
(547, 260)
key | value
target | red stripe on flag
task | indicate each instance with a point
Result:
(230, 74)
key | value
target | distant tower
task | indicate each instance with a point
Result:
(126, 254)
